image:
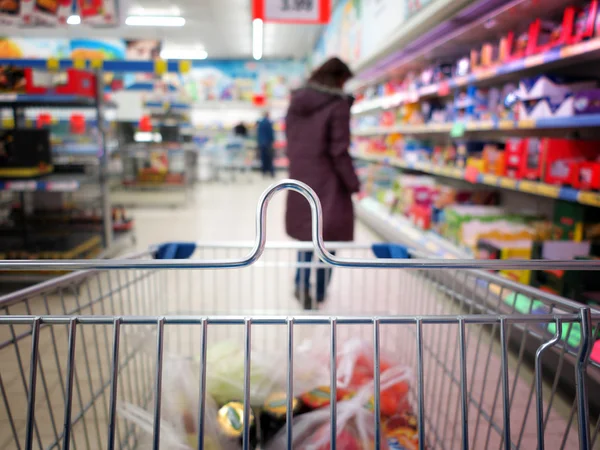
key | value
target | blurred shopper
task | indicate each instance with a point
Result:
(318, 138)
(266, 137)
(240, 130)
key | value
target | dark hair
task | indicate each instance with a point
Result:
(332, 73)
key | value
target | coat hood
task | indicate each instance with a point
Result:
(314, 97)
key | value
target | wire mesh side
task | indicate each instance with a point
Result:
(475, 379)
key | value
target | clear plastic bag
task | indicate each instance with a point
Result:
(179, 410)
(355, 417)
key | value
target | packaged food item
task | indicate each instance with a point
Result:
(274, 414)
(356, 372)
(230, 420)
(355, 429)
(401, 432)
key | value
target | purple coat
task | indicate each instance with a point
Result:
(318, 138)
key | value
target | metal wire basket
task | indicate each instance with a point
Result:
(493, 359)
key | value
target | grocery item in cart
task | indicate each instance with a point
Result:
(274, 413)
(225, 374)
(356, 370)
(230, 419)
(179, 411)
(355, 429)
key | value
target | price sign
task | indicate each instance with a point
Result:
(292, 11)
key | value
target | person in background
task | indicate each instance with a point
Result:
(266, 138)
(318, 138)
(240, 130)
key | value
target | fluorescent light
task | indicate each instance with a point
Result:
(175, 53)
(155, 21)
(74, 20)
(257, 39)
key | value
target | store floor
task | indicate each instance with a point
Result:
(219, 211)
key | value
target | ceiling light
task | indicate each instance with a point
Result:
(175, 53)
(155, 21)
(257, 39)
(74, 20)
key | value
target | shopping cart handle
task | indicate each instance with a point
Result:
(389, 250)
(175, 250)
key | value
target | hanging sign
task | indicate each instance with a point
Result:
(292, 11)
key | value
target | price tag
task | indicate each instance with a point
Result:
(589, 198)
(292, 11)
(21, 186)
(62, 186)
(528, 186)
(508, 183)
(548, 190)
(489, 179)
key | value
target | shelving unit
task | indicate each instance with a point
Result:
(590, 198)
(81, 169)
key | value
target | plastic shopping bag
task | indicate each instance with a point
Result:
(179, 410)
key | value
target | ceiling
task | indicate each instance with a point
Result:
(222, 27)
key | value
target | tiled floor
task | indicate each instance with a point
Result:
(225, 213)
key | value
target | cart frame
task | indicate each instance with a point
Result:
(562, 312)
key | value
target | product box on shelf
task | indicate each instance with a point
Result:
(12, 79)
(544, 35)
(25, 153)
(69, 82)
(574, 222)
(512, 248)
(586, 101)
(561, 159)
(581, 22)
(562, 282)
(587, 176)
(515, 46)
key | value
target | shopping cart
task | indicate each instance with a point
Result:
(488, 374)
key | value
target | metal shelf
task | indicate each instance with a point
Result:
(589, 198)
(539, 126)
(48, 183)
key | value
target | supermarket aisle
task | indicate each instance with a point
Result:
(219, 212)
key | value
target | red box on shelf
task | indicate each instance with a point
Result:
(523, 159)
(421, 216)
(517, 47)
(563, 157)
(78, 82)
(545, 35)
(587, 176)
(581, 22)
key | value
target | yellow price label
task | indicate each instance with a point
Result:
(79, 63)
(535, 60)
(52, 64)
(160, 67)
(456, 173)
(508, 183)
(96, 63)
(548, 190)
(8, 122)
(490, 179)
(166, 106)
(28, 123)
(185, 66)
(526, 123)
(506, 125)
(528, 186)
(589, 198)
